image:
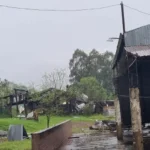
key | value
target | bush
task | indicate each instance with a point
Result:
(88, 110)
(59, 112)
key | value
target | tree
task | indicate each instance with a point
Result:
(4, 91)
(78, 66)
(106, 75)
(7, 88)
(92, 88)
(48, 107)
(32, 88)
(95, 65)
(55, 81)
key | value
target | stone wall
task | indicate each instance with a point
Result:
(52, 138)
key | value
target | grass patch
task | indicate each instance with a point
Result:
(33, 126)
(17, 145)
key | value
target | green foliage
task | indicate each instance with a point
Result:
(55, 81)
(17, 145)
(59, 112)
(95, 65)
(73, 91)
(34, 126)
(110, 96)
(7, 87)
(87, 110)
(91, 87)
(77, 65)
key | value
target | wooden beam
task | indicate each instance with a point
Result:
(118, 120)
(136, 119)
(10, 106)
(17, 108)
(25, 109)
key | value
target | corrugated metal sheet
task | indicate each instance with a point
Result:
(137, 37)
(139, 50)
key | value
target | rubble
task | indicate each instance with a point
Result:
(3, 133)
(103, 125)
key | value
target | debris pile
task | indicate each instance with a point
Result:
(3, 133)
(104, 125)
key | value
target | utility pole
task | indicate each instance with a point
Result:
(123, 19)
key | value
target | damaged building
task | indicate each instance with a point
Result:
(131, 68)
(131, 77)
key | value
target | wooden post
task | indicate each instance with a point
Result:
(25, 109)
(118, 120)
(17, 100)
(136, 119)
(10, 105)
(10, 109)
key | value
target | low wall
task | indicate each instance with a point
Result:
(52, 138)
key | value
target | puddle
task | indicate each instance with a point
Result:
(96, 141)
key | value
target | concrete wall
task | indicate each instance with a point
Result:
(52, 138)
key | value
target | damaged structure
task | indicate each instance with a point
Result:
(131, 77)
(26, 103)
(23, 102)
(19, 97)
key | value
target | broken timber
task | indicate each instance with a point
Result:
(136, 119)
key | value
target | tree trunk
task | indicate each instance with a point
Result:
(48, 120)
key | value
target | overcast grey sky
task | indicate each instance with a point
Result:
(32, 43)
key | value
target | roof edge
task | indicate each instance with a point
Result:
(121, 39)
(137, 28)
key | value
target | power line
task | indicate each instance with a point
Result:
(137, 10)
(57, 10)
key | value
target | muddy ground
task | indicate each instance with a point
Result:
(95, 141)
(79, 127)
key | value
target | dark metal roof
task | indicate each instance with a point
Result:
(136, 41)
(139, 50)
(138, 37)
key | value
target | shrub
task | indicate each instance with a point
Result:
(87, 110)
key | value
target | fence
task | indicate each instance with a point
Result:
(52, 138)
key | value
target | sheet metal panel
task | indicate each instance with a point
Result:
(138, 37)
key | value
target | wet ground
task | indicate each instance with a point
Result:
(96, 141)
